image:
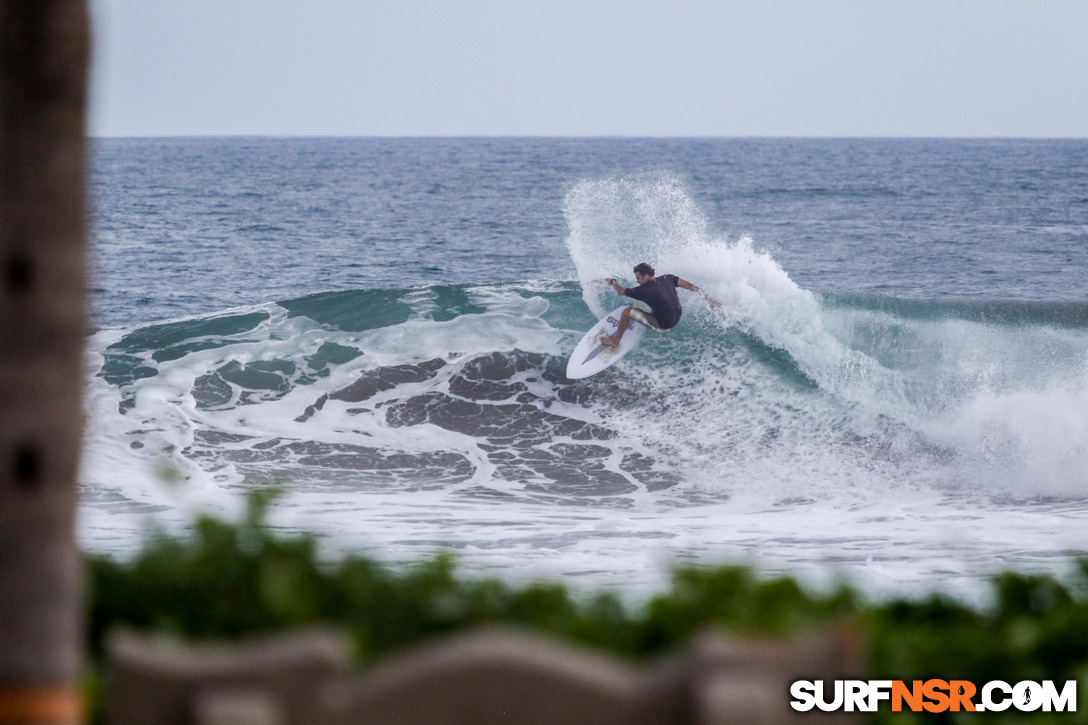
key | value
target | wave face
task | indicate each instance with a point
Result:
(907, 442)
(464, 385)
(957, 393)
(393, 408)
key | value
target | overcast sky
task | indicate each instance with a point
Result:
(591, 67)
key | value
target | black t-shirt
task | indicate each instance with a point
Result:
(660, 294)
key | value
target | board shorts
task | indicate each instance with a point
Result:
(645, 318)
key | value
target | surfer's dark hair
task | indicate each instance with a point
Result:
(643, 268)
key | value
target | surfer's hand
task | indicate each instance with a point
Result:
(714, 304)
(609, 280)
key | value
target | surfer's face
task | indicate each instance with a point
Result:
(643, 278)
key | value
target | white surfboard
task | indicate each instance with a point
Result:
(591, 357)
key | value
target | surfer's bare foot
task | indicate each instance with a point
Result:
(608, 341)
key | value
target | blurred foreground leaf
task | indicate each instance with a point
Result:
(231, 579)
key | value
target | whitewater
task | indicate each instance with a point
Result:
(906, 443)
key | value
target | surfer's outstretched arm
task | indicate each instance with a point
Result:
(616, 286)
(684, 284)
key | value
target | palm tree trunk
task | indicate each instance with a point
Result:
(43, 78)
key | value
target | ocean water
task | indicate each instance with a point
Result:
(894, 390)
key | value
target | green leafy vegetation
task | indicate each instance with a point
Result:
(232, 579)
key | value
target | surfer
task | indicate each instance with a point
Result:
(657, 292)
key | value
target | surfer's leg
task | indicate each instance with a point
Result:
(614, 340)
(646, 319)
